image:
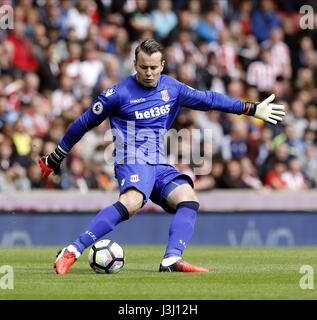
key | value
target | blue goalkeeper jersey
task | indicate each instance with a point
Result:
(140, 116)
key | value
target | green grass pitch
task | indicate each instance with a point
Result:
(235, 273)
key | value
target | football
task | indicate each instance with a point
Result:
(106, 256)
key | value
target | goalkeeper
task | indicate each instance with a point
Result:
(147, 100)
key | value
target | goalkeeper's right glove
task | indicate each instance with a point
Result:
(52, 162)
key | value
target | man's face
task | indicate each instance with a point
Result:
(149, 68)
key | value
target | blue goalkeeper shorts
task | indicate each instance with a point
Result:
(155, 181)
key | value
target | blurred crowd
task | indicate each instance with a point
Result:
(63, 53)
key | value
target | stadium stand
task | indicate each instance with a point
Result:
(62, 53)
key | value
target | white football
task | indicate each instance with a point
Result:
(106, 256)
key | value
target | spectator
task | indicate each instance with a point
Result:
(164, 19)
(264, 146)
(294, 177)
(20, 49)
(194, 8)
(233, 176)
(226, 54)
(279, 154)
(280, 53)
(17, 179)
(209, 27)
(140, 20)
(309, 165)
(78, 18)
(212, 180)
(299, 122)
(274, 179)
(63, 98)
(262, 73)
(249, 51)
(22, 142)
(264, 20)
(289, 138)
(234, 146)
(244, 15)
(249, 175)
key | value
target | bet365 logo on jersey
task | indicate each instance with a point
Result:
(153, 112)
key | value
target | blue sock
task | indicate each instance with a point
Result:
(101, 224)
(182, 228)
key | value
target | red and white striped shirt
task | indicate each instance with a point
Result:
(261, 75)
(226, 55)
(280, 56)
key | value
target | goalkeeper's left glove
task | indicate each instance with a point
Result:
(265, 110)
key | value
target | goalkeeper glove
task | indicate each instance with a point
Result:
(265, 110)
(52, 162)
